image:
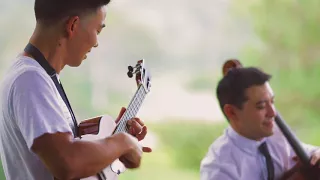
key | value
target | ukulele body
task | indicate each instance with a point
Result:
(101, 129)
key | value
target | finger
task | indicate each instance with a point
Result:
(128, 164)
(136, 127)
(143, 133)
(122, 111)
(146, 149)
(314, 160)
(295, 158)
(138, 120)
(132, 132)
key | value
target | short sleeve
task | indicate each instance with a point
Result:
(36, 108)
(309, 148)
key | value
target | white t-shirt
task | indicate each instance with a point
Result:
(30, 106)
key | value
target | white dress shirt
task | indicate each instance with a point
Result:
(234, 157)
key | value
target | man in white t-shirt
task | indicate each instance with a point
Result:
(37, 125)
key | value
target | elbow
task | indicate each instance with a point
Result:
(67, 170)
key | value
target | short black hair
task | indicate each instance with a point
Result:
(52, 11)
(231, 88)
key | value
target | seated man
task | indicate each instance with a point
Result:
(252, 147)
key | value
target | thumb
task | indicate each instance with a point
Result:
(122, 111)
(295, 158)
(146, 149)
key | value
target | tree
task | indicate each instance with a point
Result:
(287, 46)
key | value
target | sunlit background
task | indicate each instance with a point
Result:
(184, 44)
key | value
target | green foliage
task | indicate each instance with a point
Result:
(289, 50)
(187, 142)
(2, 177)
(78, 87)
(288, 30)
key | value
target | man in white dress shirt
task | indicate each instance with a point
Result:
(252, 147)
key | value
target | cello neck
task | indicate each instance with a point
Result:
(293, 140)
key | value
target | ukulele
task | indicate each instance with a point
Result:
(104, 126)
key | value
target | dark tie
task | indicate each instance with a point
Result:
(264, 150)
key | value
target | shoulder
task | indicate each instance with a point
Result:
(28, 68)
(23, 68)
(25, 74)
(219, 161)
(219, 151)
(25, 79)
(222, 146)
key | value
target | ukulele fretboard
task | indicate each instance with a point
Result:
(132, 109)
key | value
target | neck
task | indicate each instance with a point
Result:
(132, 109)
(47, 41)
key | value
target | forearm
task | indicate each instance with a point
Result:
(90, 157)
(79, 158)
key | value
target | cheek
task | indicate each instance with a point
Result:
(254, 118)
(88, 40)
(92, 39)
(259, 117)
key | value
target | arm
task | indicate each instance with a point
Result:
(310, 149)
(70, 159)
(44, 127)
(314, 153)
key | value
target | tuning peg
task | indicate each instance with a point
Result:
(130, 74)
(130, 68)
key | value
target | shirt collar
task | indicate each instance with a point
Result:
(248, 145)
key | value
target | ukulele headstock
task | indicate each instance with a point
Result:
(142, 75)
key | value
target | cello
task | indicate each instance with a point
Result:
(303, 170)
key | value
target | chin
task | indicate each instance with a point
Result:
(76, 63)
(267, 129)
(268, 133)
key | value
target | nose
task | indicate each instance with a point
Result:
(271, 111)
(96, 45)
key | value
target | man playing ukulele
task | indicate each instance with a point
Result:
(37, 125)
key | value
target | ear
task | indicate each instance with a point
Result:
(230, 112)
(72, 25)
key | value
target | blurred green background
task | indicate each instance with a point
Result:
(184, 44)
